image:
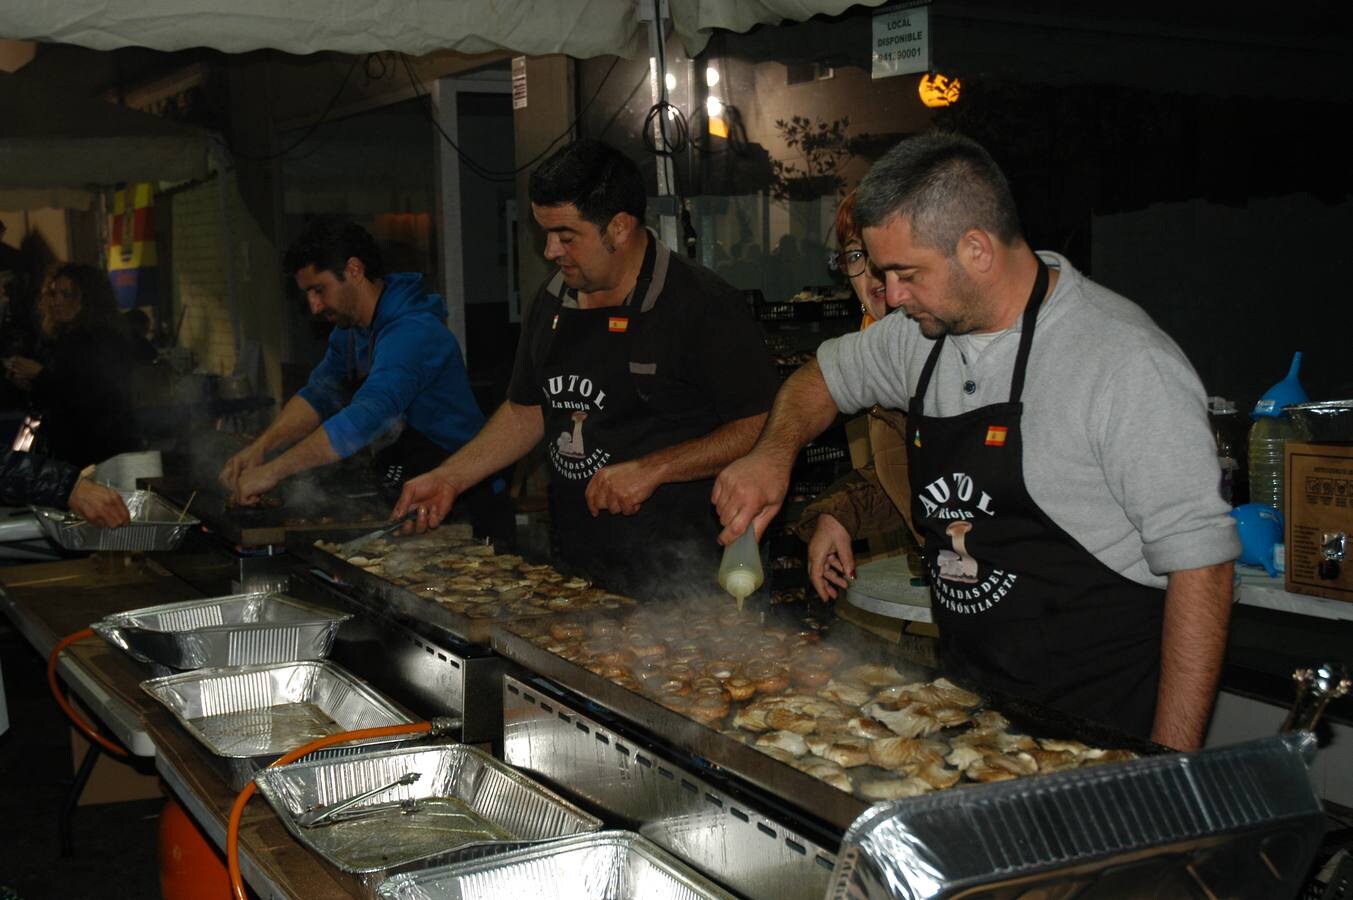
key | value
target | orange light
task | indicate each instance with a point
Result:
(938, 90)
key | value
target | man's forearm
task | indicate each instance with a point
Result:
(297, 420)
(703, 457)
(803, 409)
(313, 451)
(506, 437)
(1193, 642)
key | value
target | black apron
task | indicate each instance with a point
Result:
(1021, 606)
(405, 452)
(594, 416)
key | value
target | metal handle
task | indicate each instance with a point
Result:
(1315, 689)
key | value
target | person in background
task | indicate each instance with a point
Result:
(875, 498)
(392, 379)
(643, 373)
(81, 387)
(31, 479)
(1062, 469)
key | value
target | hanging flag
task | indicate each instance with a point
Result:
(996, 435)
(131, 253)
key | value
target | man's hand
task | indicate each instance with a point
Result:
(248, 458)
(432, 494)
(621, 489)
(253, 483)
(749, 492)
(98, 505)
(830, 559)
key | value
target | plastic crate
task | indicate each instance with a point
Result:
(814, 454)
(789, 312)
(840, 309)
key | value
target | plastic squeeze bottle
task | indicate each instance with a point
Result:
(1269, 434)
(740, 570)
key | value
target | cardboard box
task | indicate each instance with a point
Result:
(1319, 494)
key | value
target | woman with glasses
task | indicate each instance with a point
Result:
(874, 499)
(81, 385)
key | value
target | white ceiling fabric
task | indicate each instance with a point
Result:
(579, 28)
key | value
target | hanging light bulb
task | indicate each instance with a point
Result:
(670, 80)
(711, 76)
(714, 107)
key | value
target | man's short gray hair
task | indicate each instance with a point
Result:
(943, 184)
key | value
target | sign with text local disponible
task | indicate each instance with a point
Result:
(901, 42)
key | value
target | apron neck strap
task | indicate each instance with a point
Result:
(1026, 340)
(1026, 335)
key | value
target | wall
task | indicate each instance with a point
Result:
(201, 283)
(50, 226)
(1239, 287)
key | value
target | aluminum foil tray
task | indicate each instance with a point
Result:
(248, 717)
(156, 525)
(1331, 420)
(1235, 821)
(239, 630)
(608, 865)
(465, 805)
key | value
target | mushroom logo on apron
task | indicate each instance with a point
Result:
(957, 578)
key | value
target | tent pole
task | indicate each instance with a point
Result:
(655, 13)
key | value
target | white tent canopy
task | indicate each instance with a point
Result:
(579, 28)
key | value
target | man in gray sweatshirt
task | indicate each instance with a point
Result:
(1061, 465)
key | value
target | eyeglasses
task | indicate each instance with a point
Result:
(851, 262)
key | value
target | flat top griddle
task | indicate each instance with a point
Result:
(372, 588)
(815, 798)
(345, 506)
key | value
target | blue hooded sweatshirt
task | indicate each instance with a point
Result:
(418, 373)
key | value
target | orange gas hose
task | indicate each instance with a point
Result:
(84, 727)
(237, 811)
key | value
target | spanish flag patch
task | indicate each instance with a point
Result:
(618, 323)
(996, 435)
(554, 325)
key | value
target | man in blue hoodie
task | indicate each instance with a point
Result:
(392, 377)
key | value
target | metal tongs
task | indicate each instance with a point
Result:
(1316, 687)
(352, 546)
(326, 815)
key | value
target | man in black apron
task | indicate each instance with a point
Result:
(643, 373)
(1061, 467)
(393, 379)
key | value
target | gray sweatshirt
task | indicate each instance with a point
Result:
(1117, 447)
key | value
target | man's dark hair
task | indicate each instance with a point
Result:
(593, 176)
(943, 184)
(327, 244)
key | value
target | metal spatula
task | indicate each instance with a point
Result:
(352, 546)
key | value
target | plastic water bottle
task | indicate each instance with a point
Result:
(1268, 438)
(740, 570)
(1269, 434)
